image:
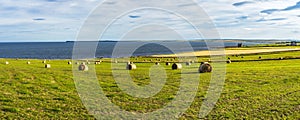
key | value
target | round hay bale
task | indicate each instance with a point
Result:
(167, 63)
(69, 62)
(76, 63)
(205, 67)
(157, 63)
(228, 61)
(188, 63)
(116, 61)
(97, 63)
(259, 57)
(28, 62)
(176, 66)
(88, 63)
(44, 61)
(83, 67)
(6, 62)
(281, 58)
(242, 57)
(131, 67)
(228, 58)
(47, 66)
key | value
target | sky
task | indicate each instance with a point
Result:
(62, 20)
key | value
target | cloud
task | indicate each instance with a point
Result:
(297, 6)
(242, 17)
(270, 11)
(278, 19)
(38, 19)
(62, 19)
(134, 16)
(273, 19)
(238, 4)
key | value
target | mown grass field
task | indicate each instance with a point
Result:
(252, 90)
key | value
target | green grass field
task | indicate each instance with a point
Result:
(253, 89)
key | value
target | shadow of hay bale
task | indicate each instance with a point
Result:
(176, 66)
(131, 67)
(47, 66)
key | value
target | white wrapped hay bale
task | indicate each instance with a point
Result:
(83, 67)
(47, 66)
(281, 58)
(44, 61)
(6, 63)
(97, 62)
(131, 67)
(188, 63)
(28, 62)
(157, 63)
(69, 63)
(228, 61)
(176, 66)
(205, 67)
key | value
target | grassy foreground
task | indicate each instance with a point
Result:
(257, 89)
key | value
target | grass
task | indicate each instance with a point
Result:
(252, 90)
(274, 55)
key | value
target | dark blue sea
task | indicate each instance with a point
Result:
(64, 50)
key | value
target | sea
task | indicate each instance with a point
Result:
(64, 50)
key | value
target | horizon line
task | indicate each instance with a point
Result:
(62, 41)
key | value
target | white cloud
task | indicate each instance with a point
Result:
(61, 20)
(279, 25)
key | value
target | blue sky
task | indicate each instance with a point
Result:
(60, 20)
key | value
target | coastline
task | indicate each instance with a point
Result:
(231, 51)
(202, 53)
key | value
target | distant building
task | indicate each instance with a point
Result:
(240, 44)
(293, 43)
